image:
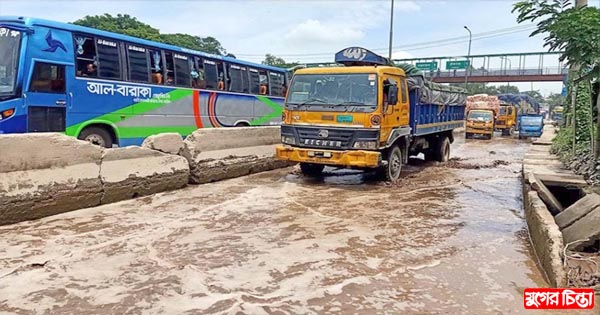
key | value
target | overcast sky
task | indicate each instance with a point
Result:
(312, 30)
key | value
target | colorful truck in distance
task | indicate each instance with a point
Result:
(367, 114)
(482, 111)
(531, 125)
(506, 121)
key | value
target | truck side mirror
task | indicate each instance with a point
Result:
(392, 95)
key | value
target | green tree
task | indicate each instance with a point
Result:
(121, 23)
(275, 61)
(554, 100)
(535, 94)
(576, 31)
(128, 25)
(508, 89)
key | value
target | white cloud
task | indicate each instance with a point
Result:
(314, 32)
(401, 55)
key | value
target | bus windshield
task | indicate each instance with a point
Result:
(10, 43)
(480, 115)
(334, 90)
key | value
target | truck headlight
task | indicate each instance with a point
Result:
(288, 140)
(369, 145)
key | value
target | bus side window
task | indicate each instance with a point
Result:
(139, 69)
(199, 79)
(211, 73)
(47, 78)
(264, 82)
(254, 81)
(237, 78)
(85, 56)
(156, 66)
(276, 80)
(169, 73)
(221, 84)
(182, 70)
(109, 60)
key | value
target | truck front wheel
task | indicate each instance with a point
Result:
(311, 169)
(391, 172)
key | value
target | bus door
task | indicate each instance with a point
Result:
(46, 98)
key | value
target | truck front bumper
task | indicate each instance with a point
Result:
(349, 158)
(480, 131)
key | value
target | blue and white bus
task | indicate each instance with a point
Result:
(112, 89)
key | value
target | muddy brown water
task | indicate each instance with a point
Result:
(449, 239)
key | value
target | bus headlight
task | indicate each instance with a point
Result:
(368, 145)
(288, 140)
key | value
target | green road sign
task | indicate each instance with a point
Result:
(427, 65)
(457, 64)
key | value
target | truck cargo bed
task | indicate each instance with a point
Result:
(431, 118)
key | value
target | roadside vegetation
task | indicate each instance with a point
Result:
(573, 27)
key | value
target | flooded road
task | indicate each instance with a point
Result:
(449, 239)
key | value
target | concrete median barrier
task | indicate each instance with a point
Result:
(44, 174)
(133, 171)
(221, 153)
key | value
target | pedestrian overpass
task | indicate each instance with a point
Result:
(510, 67)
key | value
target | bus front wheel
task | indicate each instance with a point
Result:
(97, 135)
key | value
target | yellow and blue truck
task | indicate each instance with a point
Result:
(367, 113)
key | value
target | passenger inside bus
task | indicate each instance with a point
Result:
(221, 84)
(264, 86)
(90, 71)
(198, 79)
(156, 78)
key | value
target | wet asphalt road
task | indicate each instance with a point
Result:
(450, 239)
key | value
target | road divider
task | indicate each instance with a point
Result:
(43, 174)
(221, 153)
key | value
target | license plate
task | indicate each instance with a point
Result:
(319, 154)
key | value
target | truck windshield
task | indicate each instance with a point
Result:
(10, 42)
(480, 115)
(333, 90)
(503, 110)
(531, 120)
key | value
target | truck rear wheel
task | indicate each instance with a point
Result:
(311, 169)
(441, 150)
(391, 172)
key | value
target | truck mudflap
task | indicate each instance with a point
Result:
(348, 158)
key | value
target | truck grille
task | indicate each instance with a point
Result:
(326, 137)
(335, 137)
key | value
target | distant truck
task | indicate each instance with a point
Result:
(557, 115)
(482, 111)
(530, 125)
(367, 114)
(506, 121)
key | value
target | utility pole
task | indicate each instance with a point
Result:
(468, 58)
(391, 29)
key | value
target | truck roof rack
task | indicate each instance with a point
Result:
(358, 56)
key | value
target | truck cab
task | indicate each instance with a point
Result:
(362, 115)
(506, 121)
(480, 122)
